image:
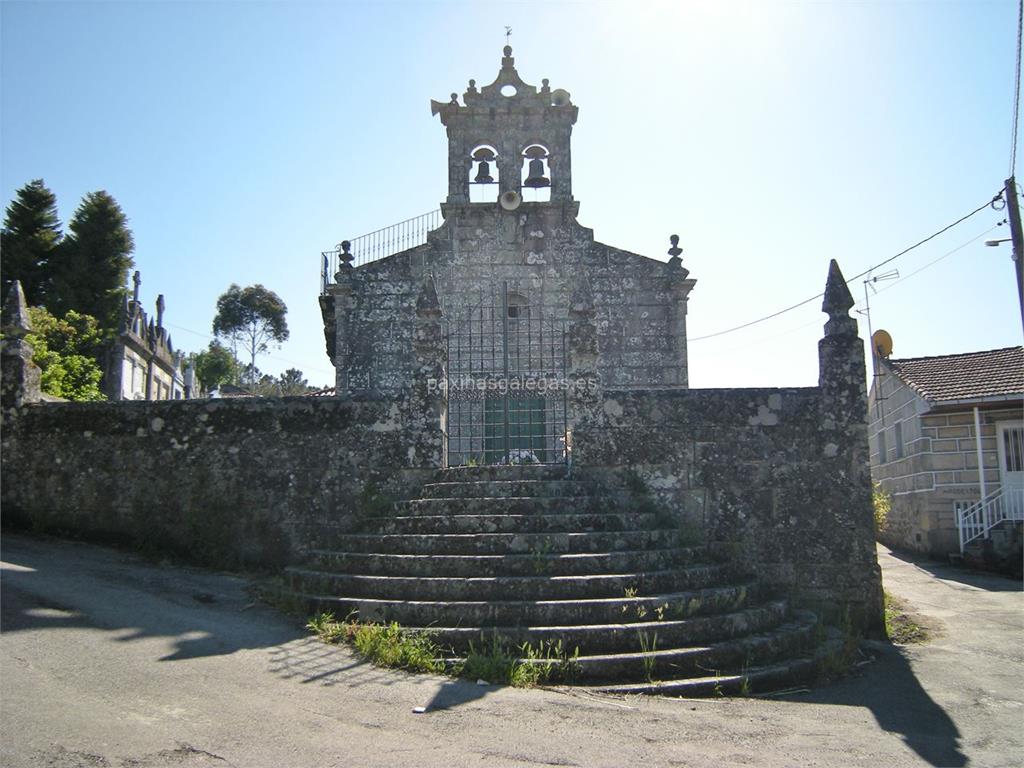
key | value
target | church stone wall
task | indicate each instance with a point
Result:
(227, 482)
(749, 471)
(541, 253)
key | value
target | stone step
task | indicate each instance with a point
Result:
(503, 472)
(510, 505)
(760, 679)
(609, 638)
(474, 489)
(501, 613)
(532, 587)
(538, 544)
(671, 663)
(512, 523)
(550, 564)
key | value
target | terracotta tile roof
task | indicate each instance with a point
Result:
(325, 392)
(994, 373)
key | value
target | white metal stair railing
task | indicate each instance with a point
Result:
(981, 517)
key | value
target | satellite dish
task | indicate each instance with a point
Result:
(881, 341)
(510, 200)
(559, 97)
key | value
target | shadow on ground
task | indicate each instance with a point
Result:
(58, 585)
(887, 686)
(51, 584)
(984, 580)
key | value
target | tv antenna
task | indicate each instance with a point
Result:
(892, 274)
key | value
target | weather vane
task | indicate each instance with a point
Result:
(508, 34)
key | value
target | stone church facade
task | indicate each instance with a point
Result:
(508, 143)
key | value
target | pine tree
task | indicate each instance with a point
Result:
(30, 235)
(90, 268)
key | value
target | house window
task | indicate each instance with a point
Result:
(882, 452)
(1013, 449)
(897, 438)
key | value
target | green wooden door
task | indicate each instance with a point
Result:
(525, 428)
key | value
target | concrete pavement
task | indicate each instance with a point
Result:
(110, 661)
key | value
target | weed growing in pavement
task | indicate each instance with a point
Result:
(900, 627)
(387, 645)
(524, 667)
(539, 555)
(648, 647)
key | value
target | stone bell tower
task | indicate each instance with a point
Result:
(509, 138)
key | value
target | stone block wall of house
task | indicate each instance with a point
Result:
(928, 464)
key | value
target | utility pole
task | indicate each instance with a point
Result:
(1016, 238)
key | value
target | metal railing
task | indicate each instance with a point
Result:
(979, 518)
(379, 244)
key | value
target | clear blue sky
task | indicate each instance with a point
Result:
(242, 138)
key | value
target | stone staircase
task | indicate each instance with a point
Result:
(535, 557)
(1000, 551)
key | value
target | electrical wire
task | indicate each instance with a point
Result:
(817, 321)
(269, 357)
(1016, 92)
(905, 251)
(933, 262)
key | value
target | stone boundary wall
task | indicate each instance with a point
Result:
(752, 472)
(242, 482)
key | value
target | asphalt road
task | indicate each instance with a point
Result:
(106, 660)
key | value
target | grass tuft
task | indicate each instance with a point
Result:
(387, 645)
(899, 625)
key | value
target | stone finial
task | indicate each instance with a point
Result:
(20, 382)
(160, 306)
(472, 86)
(675, 250)
(136, 282)
(455, 99)
(675, 262)
(427, 304)
(837, 303)
(15, 320)
(346, 258)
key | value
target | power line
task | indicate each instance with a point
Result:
(905, 251)
(269, 357)
(933, 262)
(1016, 92)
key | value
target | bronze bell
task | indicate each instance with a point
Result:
(483, 174)
(536, 177)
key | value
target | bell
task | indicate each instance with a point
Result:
(536, 177)
(483, 174)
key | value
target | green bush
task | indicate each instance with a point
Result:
(883, 506)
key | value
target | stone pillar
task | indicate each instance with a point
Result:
(343, 292)
(585, 392)
(427, 403)
(679, 288)
(842, 375)
(844, 489)
(20, 377)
